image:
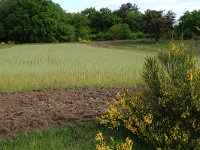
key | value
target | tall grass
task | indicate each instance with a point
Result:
(76, 137)
(39, 66)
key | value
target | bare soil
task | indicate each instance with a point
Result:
(24, 112)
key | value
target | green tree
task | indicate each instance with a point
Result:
(134, 20)
(188, 23)
(34, 21)
(125, 9)
(106, 19)
(81, 24)
(157, 23)
(91, 14)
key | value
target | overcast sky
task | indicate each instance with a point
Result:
(177, 6)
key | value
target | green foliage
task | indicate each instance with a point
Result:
(127, 8)
(120, 31)
(188, 23)
(100, 36)
(137, 35)
(81, 24)
(35, 21)
(66, 33)
(166, 114)
(158, 24)
(134, 20)
(2, 31)
(174, 97)
(106, 19)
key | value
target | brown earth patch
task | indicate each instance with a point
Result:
(23, 112)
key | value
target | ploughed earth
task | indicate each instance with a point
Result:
(26, 111)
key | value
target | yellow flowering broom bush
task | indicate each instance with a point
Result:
(167, 113)
(103, 145)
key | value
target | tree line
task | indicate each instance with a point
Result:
(34, 21)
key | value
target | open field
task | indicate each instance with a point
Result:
(43, 66)
(90, 71)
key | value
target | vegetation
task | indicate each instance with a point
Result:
(158, 24)
(120, 31)
(79, 137)
(39, 66)
(188, 24)
(165, 115)
(37, 21)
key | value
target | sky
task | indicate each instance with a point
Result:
(177, 6)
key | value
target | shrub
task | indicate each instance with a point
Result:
(103, 145)
(120, 31)
(100, 36)
(83, 32)
(137, 35)
(166, 114)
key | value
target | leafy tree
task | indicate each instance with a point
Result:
(134, 20)
(106, 19)
(34, 21)
(188, 23)
(81, 24)
(91, 14)
(66, 33)
(2, 33)
(125, 9)
(157, 23)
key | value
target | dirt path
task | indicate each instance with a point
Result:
(23, 112)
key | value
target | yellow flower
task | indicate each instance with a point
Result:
(99, 137)
(173, 46)
(166, 137)
(126, 146)
(148, 118)
(185, 114)
(190, 76)
(185, 137)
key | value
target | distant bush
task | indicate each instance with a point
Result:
(100, 36)
(166, 114)
(120, 31)
(83, 32)
(137, 35)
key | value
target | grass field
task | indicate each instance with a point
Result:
(39, 66)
